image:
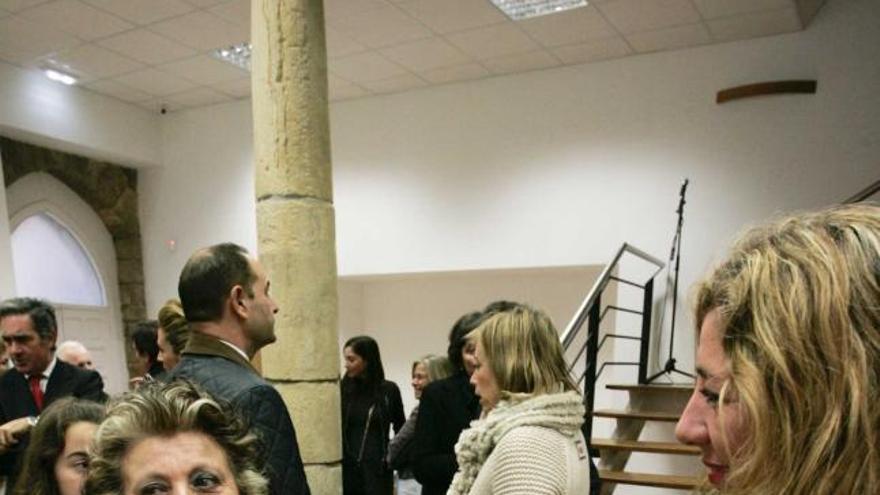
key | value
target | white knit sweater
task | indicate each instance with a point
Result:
(533, 447)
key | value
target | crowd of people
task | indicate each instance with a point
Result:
(785, 402)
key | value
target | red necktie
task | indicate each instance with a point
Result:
(36, 391)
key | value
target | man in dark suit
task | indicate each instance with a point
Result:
(225, 297)
(38, 378)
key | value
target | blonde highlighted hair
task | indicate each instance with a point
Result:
(163, 410)
(173, 322)
(524, 353)
(799, 302)
(437, 367)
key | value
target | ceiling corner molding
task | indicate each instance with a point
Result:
(766, 88)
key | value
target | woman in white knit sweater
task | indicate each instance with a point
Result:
(529, 438)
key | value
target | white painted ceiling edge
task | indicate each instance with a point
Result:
(36, 110)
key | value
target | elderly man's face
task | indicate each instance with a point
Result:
(29, 352)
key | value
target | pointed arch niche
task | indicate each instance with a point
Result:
(96, 203)
(62, 252)
(51, 263)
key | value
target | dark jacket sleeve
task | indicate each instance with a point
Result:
(8, 458)
(272, 423)
(595, 482)
(91, 388)
(398, 418)
(400, 447)
(431, 464)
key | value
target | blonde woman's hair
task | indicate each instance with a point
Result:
(164, 410)
(173, 322)
(524, 353)
(437, 367)
(799, 301)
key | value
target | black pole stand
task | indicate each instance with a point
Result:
(675, 254)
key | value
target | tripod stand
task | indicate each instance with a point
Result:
(675, 254)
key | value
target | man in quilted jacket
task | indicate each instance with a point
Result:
(225, 296)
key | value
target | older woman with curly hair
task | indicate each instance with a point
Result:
(788, 359)
(173, 438)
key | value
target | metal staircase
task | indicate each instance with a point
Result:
(583, 340)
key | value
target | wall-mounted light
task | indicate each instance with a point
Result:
(60, 77)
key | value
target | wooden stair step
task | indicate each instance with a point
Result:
(642, 415)
(652, 387)
(649, 479)
(643, 446)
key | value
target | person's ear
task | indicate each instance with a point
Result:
(236, 301)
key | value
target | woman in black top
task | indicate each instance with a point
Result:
(371, 405)
(446, 408)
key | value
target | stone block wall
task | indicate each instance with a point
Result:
(111, 190)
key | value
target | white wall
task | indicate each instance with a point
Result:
(203, 195)
(554, 167)
(411, 315)
(68, 118)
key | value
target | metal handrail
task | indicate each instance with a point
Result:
(589, 313)
(599, 286)
(864, 193)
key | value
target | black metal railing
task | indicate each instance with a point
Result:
(864, 194)
(591, 313)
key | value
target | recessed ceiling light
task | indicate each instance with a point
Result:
(238, 55)
(60, 77)
(523, 9)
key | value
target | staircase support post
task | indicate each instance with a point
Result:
(647, 306)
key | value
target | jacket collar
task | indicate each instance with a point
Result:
(200, 343)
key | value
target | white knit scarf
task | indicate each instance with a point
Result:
(563, 412)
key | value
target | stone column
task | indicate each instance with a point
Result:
(295, 224)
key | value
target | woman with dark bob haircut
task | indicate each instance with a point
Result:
(173, 438)
(56, 461)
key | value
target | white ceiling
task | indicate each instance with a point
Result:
(155, 53)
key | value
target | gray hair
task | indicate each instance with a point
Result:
(437, 367)
(72, 345)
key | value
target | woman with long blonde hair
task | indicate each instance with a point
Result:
(788, 359)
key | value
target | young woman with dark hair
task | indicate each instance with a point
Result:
(56, 461)
(371, 406)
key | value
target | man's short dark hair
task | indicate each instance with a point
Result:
(209, 276)
(41, 312)
(144, 339)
